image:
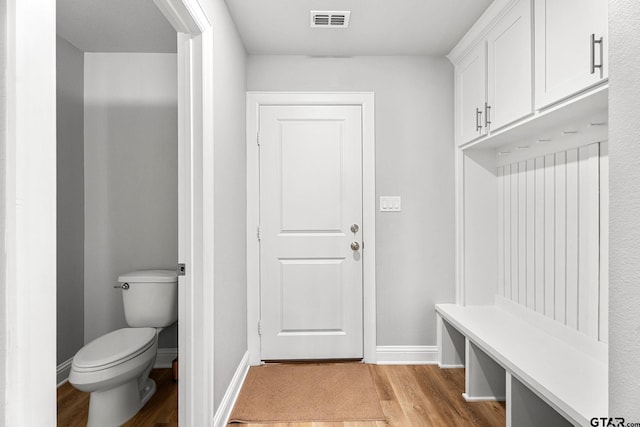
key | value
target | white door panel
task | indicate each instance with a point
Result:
(310, 195)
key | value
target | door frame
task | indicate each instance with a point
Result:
(195, 209)
(366, 101)
(27, 353)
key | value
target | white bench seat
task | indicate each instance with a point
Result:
(568, 377)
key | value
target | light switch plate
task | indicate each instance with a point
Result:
(390, 204)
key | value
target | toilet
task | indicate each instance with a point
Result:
(115, 367)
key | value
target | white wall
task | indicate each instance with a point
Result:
(414, 159)
(131, 178)
(230, 281)
(624, 258)
(70, 201)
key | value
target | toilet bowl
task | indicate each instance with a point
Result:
(115, 370)
(115, 367)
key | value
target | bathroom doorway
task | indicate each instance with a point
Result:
(145, 190)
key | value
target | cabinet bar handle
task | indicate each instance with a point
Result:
(487, 117)
(595, 41)
(478, 120)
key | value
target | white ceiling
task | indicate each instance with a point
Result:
(115, 26)
(377, 27)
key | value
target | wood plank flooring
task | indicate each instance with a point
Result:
(410, 395)
(160, 411)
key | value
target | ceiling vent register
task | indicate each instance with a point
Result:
(330, 19)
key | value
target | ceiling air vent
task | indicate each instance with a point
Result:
(330, 19)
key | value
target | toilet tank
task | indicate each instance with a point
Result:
(151, 298)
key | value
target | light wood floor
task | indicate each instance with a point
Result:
(412, 396)
(160, 411)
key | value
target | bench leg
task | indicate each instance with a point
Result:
(450, 345)
(526, 409)
(485, 379)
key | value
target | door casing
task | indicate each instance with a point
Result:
(366, 101)
(195, 208)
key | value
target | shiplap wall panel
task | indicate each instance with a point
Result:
(572, 238)
(501, 201)
(589, 237)
(522, 233)
(549, 227)
(560, 237)
(530, 237)
(603, 332)
(507, 231)
(514, 233)
(549, 235)
(539, 231)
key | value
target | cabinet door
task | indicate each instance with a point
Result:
(563, 51)
(471, 94)
(510, 57)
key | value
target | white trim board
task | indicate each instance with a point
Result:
(62, 371)
(195, 207)
(407, 354)
(165, 357)
(366, 100)
(223, 412)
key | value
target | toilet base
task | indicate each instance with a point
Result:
(147, 392)
(116, 406)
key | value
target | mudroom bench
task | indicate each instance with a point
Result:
(549, 374)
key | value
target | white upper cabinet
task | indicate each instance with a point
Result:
(528, 65)
(494, 77)
(571, 47)
(510, 67)
(471, 84)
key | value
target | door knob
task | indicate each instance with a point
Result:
(355, 246)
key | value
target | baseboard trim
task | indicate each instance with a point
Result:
(165, 357)
(450, 366)
(62, 372)
(483, 398)
(407, 354)
(221, 417)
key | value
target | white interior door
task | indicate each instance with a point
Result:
(310, 197)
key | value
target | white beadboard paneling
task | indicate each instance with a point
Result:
(603, 333)
(530, 237)
(572, 239)
(522, 233)
(549, 235)
(539, 232)
(560, 236)
(589, 235)
(514, 233)
(554, 236)
(500, 289)
(507, 231)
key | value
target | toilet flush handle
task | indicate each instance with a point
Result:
(124, 286)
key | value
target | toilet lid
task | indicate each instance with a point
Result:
(115, 347)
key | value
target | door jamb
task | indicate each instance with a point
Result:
(195, 209)
(366, 101)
